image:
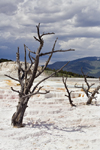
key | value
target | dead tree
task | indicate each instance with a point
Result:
(93, 95)
(89, 94)
(85, 89)
(26, 83)
(69, 93)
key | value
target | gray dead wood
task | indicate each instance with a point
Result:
(89, 94)
(69, 93)
(27, 88)
(93, 95)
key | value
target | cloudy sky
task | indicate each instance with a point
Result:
(76, 23)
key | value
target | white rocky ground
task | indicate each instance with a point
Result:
(50, 122)
(10, 68)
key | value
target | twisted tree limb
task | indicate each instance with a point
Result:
(69, 93)
(90, 95)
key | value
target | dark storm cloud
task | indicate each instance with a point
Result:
(88, 18)
(9, 7)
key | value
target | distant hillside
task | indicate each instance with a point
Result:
(90, 65)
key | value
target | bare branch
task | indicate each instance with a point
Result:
(85, 79)
(38, 32)
(44, 92)
(82, 87)
(33, 74)
(36, 39)
(47, 34)
(42, 54)
(30, 50)
(33, 58)
(26, 72)
(76, 86)
(48, 77)
(20, 69)
(25, 62)
(37, 92)
(47, 62)
(15, 90)
(19, 65)
(31, 63)
(18, 62)
(30, 58)
(11, 77)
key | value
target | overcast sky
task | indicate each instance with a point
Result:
(76, 23)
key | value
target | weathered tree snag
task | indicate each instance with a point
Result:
(87, 89)
(69, 93)
(26, 82)
(92, 95)
(17, 117)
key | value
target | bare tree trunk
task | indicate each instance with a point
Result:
(69, 93)
(17, 117)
